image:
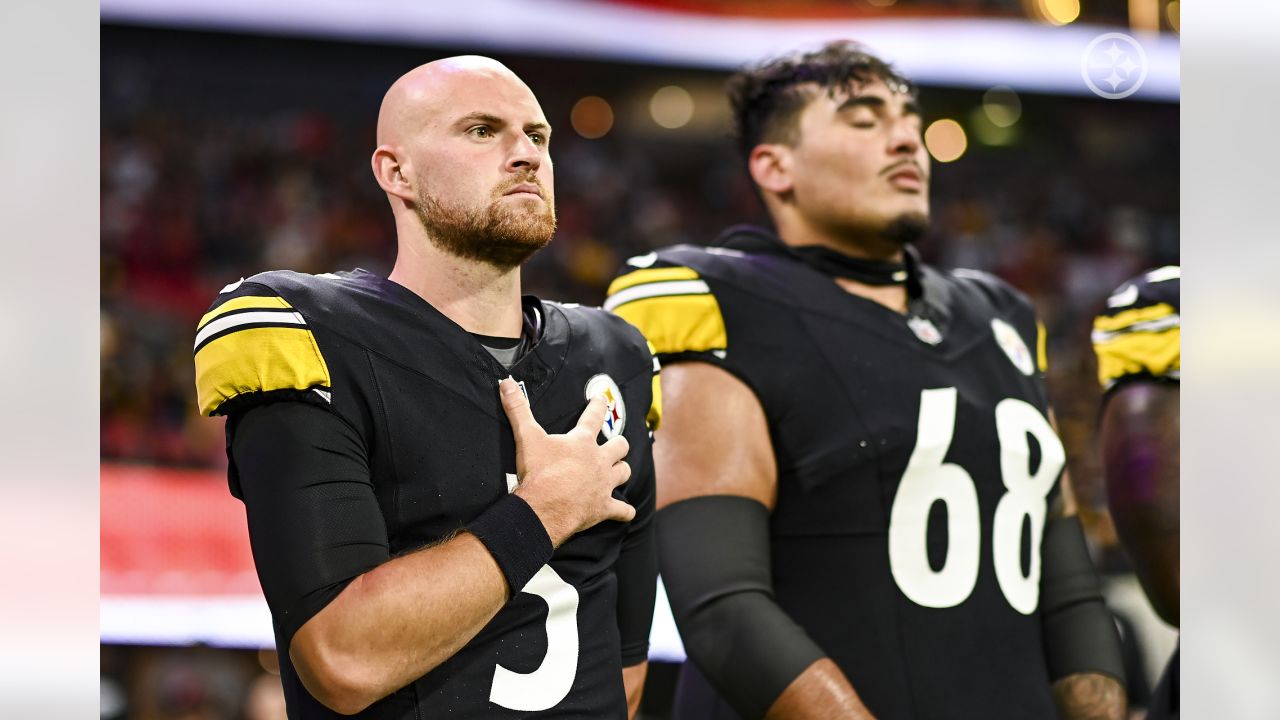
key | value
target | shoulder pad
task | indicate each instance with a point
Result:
(1006, 297)
(1139, 332)
(670, 303)
(254, 341)
(1000, 292)
(634, 343)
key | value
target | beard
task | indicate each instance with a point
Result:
(497, 234)
(906, 229)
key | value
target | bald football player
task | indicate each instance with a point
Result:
(448, 485)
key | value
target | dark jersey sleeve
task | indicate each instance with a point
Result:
(254, 346)
(314, 522)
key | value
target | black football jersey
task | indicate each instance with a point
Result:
(915, 463)
(1139, 334)
(422, 394)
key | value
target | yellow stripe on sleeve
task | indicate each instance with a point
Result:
(1122, 320)
(654, 417)
(640, 277)
(258, 359)
(678, 323)
(1155, 354)
(242, 303)
(1042, 350)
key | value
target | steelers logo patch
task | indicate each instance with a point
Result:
(616, 417)
(1011, 343)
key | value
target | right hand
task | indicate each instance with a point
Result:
(567, 479)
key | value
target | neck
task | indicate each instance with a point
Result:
(796, 232)
(868, 245)
(479, 297)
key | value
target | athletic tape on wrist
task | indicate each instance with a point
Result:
(516, 538)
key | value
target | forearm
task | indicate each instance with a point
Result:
(1154, 552)
(397, 622)
(821, 692)
(714, 555)
(633, 681)
(1090, 696)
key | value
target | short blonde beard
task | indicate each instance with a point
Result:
(499, 236)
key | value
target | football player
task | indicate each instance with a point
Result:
(436, 526)
(1138, 343)
(859, 497)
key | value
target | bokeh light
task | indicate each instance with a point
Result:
(1060, 12)
(989, 133)
(1002, 106)
(591, 117)
(671, 107)
(946, 140)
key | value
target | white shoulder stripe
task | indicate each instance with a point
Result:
(656, 289)
(226, 322)
(1168, 272)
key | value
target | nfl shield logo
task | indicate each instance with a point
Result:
(924, 329)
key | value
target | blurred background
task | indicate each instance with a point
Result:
(236, 139)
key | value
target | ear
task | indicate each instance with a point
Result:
(390, 174)
(770, 166)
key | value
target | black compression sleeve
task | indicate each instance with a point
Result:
(314, 522)
(637, 571)
(714, 558)
(1080, 635)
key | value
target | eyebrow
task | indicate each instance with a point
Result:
(910, 107)
(495, 120)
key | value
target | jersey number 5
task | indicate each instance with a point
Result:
(928, 480)
(545, 687)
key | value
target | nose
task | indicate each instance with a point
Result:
(904, 138)
(525, 155)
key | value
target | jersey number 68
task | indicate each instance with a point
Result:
(928, 479)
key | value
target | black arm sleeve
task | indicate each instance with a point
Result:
(314, 522)
(1080, 636)
(714, 557)
(637, 570)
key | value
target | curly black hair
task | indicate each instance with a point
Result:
(767, 98)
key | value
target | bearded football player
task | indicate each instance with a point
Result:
(426, 547)
(860, 503)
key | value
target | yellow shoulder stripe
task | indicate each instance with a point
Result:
(1122, 320)
(258, 359)
(1042, 350)
(654, 417)
(1157, 354)
(242, 303)
(639, 277)
(678, 323)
